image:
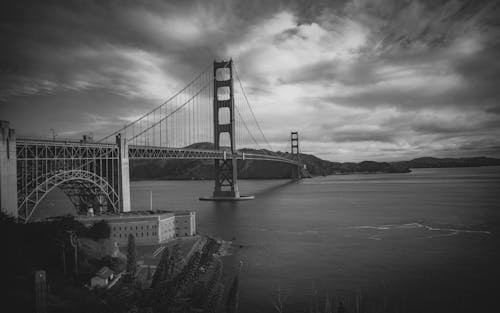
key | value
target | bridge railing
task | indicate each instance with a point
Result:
(152, 152)
(60, 141)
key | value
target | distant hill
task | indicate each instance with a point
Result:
(250, 169)
(317, 166)
(429, 162)
(172, 169)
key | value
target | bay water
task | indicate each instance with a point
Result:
(426, 241)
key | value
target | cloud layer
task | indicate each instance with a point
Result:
(359, 79)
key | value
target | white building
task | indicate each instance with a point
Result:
(102, 278)
(148, 227)
(185, 223)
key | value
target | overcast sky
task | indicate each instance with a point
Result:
(359, 79)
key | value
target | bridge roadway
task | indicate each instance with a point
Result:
(40, 149)
(91, 172)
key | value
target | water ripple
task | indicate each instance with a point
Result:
(435, 231)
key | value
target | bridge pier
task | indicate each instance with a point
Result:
(123, 174)
(226, 170)
(8, 170)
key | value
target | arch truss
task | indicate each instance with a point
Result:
(84, 188)
(87, 173)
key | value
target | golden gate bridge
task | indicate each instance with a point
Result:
(211, 109)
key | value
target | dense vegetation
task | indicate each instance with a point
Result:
(47, 246)
(178, 284)
(196, 286)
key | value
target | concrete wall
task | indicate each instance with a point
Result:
(147, 229)
(185, 224)
(124, 174)
(144, 230)
(167, 228)
(8, 169)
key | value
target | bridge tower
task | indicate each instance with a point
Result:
(294, 139)
(8, 170)
(226, 170)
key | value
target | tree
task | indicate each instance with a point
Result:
(99, 230)
(328, 305)
(233, 296)
(341, 308)
(148, 277)
(131, 256)
(161, 270)
(175, 264)
(117, 265)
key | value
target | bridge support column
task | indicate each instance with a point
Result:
(123, 174)
(294, 139)
(8, 170)
(226, 170)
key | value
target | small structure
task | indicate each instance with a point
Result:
(102, 279)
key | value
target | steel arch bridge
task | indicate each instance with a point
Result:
(81, 186)
(96, 173)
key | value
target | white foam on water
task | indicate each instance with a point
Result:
(289, 232)
(371, 227)
(446, 231)
(226, 248)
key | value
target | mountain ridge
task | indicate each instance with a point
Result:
(253, 169)
(172, 169)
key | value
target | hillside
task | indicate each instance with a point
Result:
(317, 166)
(250, 169)
(428, 162)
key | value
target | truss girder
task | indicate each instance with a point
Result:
(88, 168)
(47, 150)
(84, 195)
(28, 149)
(29, 203)
(148, 152)
(43, 165)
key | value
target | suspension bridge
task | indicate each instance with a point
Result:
(208, 119)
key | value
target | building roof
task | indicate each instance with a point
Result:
(184, 213)
(130, 216)
(104, 272)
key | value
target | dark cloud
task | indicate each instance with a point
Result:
(363, 135)
(64, 109)
(404, 76)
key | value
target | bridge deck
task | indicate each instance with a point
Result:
(41, 149)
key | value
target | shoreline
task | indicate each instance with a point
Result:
(312, 176)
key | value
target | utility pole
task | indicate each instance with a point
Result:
(64, 257)
(40, 292)
(62, 244)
